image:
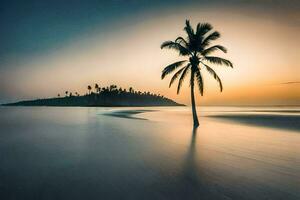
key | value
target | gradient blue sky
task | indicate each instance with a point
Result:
(31, 30)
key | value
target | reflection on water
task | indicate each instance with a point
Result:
(94, 153)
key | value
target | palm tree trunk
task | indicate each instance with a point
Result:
(195, 117)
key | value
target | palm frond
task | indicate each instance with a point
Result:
(213, 36)
(183, 75)
(213, 49)
(189, 30)
(176, 46)
(181, 41)
(203, 28)
(215, 75)
(218, 61)
(170, 68)
(199, 81)
(175, 76)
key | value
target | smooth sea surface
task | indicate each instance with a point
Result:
(149, 153)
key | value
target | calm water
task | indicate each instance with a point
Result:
(149, 153)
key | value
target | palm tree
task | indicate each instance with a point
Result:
(97, 88)
(66, 92)
(112, 87)
(131, 90)
(197, 50)
(89, 88)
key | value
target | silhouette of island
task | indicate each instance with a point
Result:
(105, 96)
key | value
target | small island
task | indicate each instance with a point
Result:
(112, 96)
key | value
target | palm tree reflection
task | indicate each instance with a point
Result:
(191, 182)
(190, 169)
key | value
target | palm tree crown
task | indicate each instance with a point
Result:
(197, 48)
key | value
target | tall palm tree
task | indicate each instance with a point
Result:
(197, 50)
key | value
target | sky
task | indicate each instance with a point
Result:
(48, 47)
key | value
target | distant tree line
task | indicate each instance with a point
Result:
(97, 90)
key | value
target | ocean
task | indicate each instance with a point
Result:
(149, 153)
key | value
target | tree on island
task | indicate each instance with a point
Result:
(131, 90)
(112, 87)
(97, 88)
(89, 88)
(196, 47)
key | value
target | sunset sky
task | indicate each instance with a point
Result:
(48, 47)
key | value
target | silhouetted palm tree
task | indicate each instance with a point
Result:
(97, 88)
(196, 47)
(131, 90)
(112, 87)
(89, 88)
(66, 92)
